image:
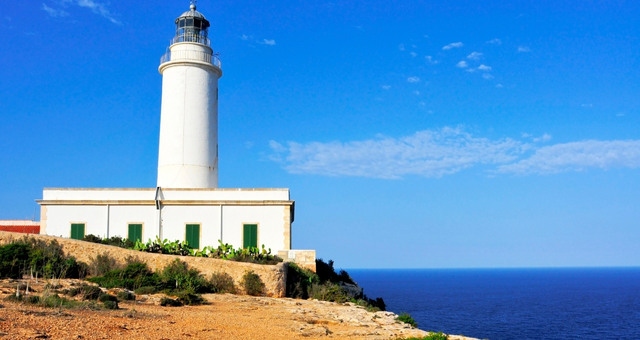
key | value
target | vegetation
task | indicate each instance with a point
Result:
(431, 336)
(252, 284)
(406, 318)
(31, 256)
(222, 283)
(327, 285)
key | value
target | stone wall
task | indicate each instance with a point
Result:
(273, 276)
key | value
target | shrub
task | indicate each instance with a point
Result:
(431, 336)
(169, 302)
(328, 292)
(177, 276)
(406, 318)
(146, 290)
(252, 283)
(110, 304)
(102, 264)
(135, 275)
(221, 282)
(107, 297)
(189, 298)
(126, 295)
(299, 281)
(92, 238)
(14, 259)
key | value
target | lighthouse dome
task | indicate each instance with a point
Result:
(192, 26)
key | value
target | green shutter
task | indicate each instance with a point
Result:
(250, 235)
(135, 232)
(192, 235)
(77, 231)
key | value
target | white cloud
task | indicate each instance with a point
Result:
(578, 156)
(56, 13)
(428, 153)
(269, 42)
(416, 92)
(245, 37)
(484, 68)
(429, 59)
(96, 7)
(436, 153)
(487, 76)
(401, 47)
(474, 56)
(462, 64)
(413, 54)
(386, 87)
(452, 46)
(495, 41)
(413, 79)
(523, 49)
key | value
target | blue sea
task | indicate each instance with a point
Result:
(562, 303)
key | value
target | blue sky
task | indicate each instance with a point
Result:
(422, 134)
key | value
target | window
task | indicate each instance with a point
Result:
(135, 232)
(77, 231)
(250, 235)
(192, 235)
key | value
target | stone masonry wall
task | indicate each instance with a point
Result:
(273, 276)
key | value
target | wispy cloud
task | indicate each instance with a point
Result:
(578, 156)
(429, 153)
(474, 56)
(495, 41)
(413, 79)
(56, 13)
(484, 68)
(270, 42)
(429, 59)
(96, 7)
(436, 153)
(462, 64)
(452, 46)
(523, 49)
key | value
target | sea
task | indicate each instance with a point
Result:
(540, 303)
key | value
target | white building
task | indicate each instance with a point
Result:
(187, 204)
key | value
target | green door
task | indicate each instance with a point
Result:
(192, 235)
(77, 231)
(135, 232)
(250, 235)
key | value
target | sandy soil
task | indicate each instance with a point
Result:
(224, 316)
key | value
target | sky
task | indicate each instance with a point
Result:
(417, 134)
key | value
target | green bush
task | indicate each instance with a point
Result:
(328, 292)
(252, 284)
(146, 290)
(169, 302)
(189, 298)
(126, 295)
(135, 275)
(178, 276)
(431, 336)
(406, 318)
(110, 304)
(299, 281)
(38, 257)
(221, 282)
(107, 297)
(102, 264)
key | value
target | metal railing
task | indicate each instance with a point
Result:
(190, 37)
(191, 55)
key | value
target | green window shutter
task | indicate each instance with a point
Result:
(77, 231)
(192, 235)
(250, 235)
(135, 232)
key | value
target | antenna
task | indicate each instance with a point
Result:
(193, 3)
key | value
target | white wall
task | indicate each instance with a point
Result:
(107, 213)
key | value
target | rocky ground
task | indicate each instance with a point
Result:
(224, 316)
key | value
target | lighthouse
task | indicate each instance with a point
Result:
(188, 147)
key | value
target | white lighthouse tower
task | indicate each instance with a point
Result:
(188, 150)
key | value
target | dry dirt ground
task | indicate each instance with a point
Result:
(224, 316)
